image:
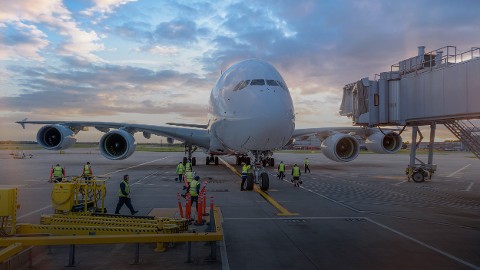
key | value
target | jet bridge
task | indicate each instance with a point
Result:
(437, 87)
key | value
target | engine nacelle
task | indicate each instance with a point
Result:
(379, 143)
(117, 144)
(340, 147)
(56, 137)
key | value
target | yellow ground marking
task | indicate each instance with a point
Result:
(268, 198)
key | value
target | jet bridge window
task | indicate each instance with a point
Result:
(258, 82)
(272, 83)
(241, 85)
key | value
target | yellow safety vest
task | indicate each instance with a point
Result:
(86, 170)
(193, 187)
(189, 176)
(188, 166)
(281, 167)
(180, 168)
(245, 168)
(306, 161)
(296, 171)
(57, 171)
(127, 190)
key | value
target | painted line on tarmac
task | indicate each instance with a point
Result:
(469, 188)
(444, 253)
(272, 201)
(459, 170)
(397, 184)
(34, 212)
(131, 167)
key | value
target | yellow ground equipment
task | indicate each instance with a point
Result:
(78, 195)
(8, 211)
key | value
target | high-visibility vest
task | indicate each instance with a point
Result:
(86, 170)
(180, 168)
(188, 166)
(189, 176)
(127, 189)
(245, 168)
(296, 171)
(193, 187)
(306, 161)
(57, 172)
(281, 167)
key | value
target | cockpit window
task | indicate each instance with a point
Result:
(241, 85)
(272, 83)
(283, 85)
(258, 82)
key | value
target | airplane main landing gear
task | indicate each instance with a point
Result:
(211, 159)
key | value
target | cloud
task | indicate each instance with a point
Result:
(22, 41)
(104, 7)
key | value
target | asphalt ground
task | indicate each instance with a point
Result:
(357, 215)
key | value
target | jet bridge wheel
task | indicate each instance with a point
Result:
(250, 181)
(264, 181)
(418, 176)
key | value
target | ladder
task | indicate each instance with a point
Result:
(465, 131)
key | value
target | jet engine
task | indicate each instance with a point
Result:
(117, 144)
(56, 137)
(340, 147)
(387, 143)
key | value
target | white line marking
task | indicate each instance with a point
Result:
(397, 184)
(141, 164)
(469, 187)
(426, 245)
(459, 170)
(33, 212)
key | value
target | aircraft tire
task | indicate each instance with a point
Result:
(250, 181)
(184, 161)
(272, 162)
(216, 160)
(264, 163)
(207, 161)
(418, 177)
(264, 181)
(194, 161)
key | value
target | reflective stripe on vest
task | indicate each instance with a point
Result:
(189, 176)
(296, 171)
(180, 168)
(245, 168)
(57, 171)
(127, 190)
(193, 188)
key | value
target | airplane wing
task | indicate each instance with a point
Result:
(342, 143)
(117, 143)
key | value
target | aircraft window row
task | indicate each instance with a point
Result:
(244, 84)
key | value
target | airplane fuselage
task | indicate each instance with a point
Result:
(250, 108)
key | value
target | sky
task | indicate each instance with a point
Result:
(152, 62)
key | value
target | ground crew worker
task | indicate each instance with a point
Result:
(180, 171)
(190, 176)
(245, 169)
(296, 175)
(194, 189)
(57, 173)
(87, 171)
(188, 166)
(281, 170)
(124, 196)
(306, 163)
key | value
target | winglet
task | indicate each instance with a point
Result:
(22, 122)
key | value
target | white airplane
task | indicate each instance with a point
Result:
(251, 114)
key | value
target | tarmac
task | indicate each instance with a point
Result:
(357, 215)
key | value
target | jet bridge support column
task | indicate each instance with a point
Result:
(418, 172)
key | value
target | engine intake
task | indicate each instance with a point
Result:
(117, 144)
(340, 147)
(56, 137)
(387, 143)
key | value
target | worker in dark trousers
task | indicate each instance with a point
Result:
(124, 196)
(281, 170)
(296, 175)
(306, 163)
(194, 189)
(180, 171)
(87, 171)
(245, 169)
(57, 173)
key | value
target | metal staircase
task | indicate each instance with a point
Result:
(466, 132)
